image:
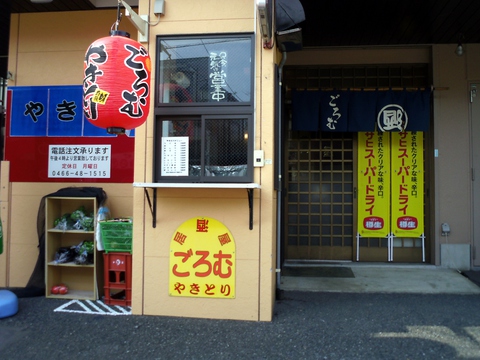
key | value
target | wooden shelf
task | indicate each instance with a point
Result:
(70, 231)
(74, 295)
(70, 264)
(83, 281)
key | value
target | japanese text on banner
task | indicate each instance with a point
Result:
(373, 184)
(407, 184)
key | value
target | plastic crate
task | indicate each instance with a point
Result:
(116, 235)
(117, 279)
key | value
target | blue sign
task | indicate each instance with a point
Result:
(51, 111)
(65, 112)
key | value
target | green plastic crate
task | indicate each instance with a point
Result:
(116, 235)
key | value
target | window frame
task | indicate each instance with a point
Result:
(203, 111)
(186, 105)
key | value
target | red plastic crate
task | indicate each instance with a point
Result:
(115, 297)
(117, 279)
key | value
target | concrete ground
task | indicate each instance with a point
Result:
(386, 278)
(384, 312)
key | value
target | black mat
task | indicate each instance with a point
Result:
(473, 276)
(318, 271)
(29, 291)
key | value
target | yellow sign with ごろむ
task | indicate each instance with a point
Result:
(202, 260)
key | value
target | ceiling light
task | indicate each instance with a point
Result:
(459, 50)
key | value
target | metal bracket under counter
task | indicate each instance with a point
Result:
(154, 186)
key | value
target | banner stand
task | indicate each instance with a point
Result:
(390, 247)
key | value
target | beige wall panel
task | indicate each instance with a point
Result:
(243, 307)
(174, 206)
(144, 146)
(5, 194)
(265, 82)
(149, 158)
(50, 68)
(360, 56)
(4, 178)
(25, 204)
(138, 252)
(265, 120)
(137, 282)
(46, 48)
(119, 199)
(114, 191)
(452, 167)
(141, 224)
(204, 27)
(22, 262)
(67, 31)
(6, 247)
(203, 17)
(232, 212)
(210, 10)
(24, 216)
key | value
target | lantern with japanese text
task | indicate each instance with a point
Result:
(116, 84)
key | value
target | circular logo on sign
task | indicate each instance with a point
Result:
(392, 117)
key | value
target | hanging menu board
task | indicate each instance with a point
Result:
(175, 156)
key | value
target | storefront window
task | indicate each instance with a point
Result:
(204, 109)
(211, 70)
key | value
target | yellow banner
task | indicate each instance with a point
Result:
(407, 184)
(202, 260)
(373, 184)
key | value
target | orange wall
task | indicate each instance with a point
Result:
(255, 251)
(47, 49)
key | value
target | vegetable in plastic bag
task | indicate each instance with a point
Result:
(84, 252)
(65, 255)
(78, 214)
(77, 220)
(63, 223)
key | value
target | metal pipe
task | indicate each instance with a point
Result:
(279, 157)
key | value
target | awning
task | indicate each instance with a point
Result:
(288, 13)
(355, 111)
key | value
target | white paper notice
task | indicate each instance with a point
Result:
(79, 161)
(175, 156)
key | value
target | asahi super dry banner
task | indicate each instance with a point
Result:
(390, 184)
(373, 184)
(407, 184)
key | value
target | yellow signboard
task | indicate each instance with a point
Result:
(373, 184)
(202, 260)
(407, 184)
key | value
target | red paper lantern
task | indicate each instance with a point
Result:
(116, 84)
